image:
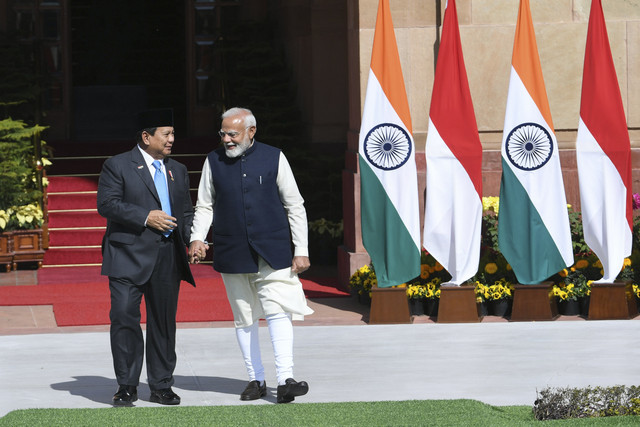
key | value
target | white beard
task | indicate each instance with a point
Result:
(239, 149)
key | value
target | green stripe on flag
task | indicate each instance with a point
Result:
(523, 238)
(393, 252)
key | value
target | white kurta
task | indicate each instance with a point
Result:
(254, 295)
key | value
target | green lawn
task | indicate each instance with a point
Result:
(468, 413)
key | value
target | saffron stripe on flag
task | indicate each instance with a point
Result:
(533, 222)
(390, 217)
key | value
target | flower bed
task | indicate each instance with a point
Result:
(494, 281)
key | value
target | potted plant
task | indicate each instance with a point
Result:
(636, 292)
(6, 241)
(569, 296)
(21, 195)
(498, 296)
(26, 225)
(361, 282)
(417, 293)
(432, 297)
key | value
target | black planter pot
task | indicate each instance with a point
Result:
(416, 307)
(431, 307)
(584, 306)
(483, 310)
(499, 307)
(364, 299)
(569, 307)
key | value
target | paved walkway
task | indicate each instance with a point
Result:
(336, 351)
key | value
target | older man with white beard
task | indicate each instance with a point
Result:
(249, 195)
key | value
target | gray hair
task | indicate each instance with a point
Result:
(249, 118)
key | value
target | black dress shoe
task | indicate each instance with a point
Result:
(125, 396)
(288, 392)
(165, 396)
(254, 390)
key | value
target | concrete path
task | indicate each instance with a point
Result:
(500, 363)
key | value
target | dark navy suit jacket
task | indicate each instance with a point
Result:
(126, 194)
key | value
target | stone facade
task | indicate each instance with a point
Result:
(487, 30)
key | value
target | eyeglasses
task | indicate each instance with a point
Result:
(231, 134)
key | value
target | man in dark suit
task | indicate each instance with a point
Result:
(145, 197)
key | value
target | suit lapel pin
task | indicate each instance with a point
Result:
(140, 167)
(171, 175)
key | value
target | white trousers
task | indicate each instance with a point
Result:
(254, 296)
(281, 331)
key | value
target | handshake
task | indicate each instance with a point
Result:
(197, 251)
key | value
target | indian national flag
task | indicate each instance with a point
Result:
(533, 221)
(388, 176)
(604, 154)
(453, 208)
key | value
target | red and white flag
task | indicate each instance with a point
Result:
(603, 151)
(453, 207)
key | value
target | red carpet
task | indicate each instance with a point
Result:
(75, 227)
(80, 296)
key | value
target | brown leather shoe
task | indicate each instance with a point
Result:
(164, 396)
(288, 392)
(125, 396)
(254, 390)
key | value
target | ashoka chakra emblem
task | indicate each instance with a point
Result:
(387, 146)
(529, 146)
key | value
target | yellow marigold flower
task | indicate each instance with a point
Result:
(424, 271)
(627, 262)
(491, 203)
(438, 267)
(563, 273)
(491, 268)
(582, 263)
(508, 267)
(597, 264)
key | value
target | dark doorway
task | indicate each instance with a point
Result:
(126, 56)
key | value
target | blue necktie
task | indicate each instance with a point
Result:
(161, 187)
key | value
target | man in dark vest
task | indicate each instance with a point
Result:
(248, 194)
(145, 197)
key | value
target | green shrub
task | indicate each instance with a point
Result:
(565, 403)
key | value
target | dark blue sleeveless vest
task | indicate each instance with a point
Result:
(248, 216)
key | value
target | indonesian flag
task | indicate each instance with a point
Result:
(453, 208)
(388, 175)
(604, 154)
(533, 221)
